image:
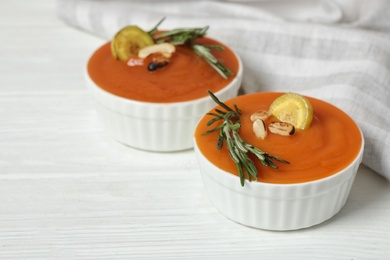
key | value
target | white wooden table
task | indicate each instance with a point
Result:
(68, 191)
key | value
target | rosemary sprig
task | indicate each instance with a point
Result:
(238, 148)
(188, 36)
(204, 51)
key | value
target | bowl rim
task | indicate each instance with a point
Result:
(257, 184)
(236, 80)
(356, 160)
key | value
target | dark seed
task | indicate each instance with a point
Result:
(156, 65)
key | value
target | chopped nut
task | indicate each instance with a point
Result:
(135, 62)
(261, 114)
(166, 49)
(281, 128)
(259, 128)
(158, 61)
(158, 58)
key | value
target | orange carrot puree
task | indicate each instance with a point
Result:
(331, 142)
(186, 77)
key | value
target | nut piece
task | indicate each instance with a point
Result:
(158, 61)
(261, 114)
(135, 62)
(259, 129)
(166, 49)
(281, 128)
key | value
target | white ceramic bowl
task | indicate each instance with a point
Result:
(158, 127)
(277, 206)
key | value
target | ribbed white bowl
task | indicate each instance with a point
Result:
(159, 127)
(277, 206)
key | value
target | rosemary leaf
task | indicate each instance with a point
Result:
(204, 51)
(220, 141)
(213, 120)
(241, 174)
(216, 100)
(238, 148)
(155, 28)
(220, 111)
(181, 36)
(213, 130)
(239, 142)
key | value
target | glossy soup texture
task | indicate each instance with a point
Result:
(186, 77)
(330, 144)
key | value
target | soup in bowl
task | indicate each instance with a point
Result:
(155, 105)
(307, 183)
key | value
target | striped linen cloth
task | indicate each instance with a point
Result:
(346, 64)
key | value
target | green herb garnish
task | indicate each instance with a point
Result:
(188, 36)
(238, 148)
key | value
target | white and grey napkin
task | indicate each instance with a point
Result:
(338, 51)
